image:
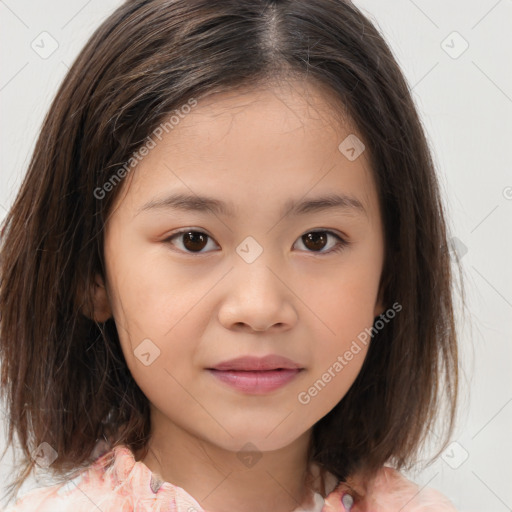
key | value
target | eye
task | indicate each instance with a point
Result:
(317, 240)
(194, 241)
(191, 240)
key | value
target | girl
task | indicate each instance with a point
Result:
(225, 281)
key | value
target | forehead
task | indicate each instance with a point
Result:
(267, 144)
(293, 104)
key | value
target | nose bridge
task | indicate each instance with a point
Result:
(254, 270)
(256, 296)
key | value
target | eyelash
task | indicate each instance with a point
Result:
(342, 243)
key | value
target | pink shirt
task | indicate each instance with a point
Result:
(116, 482)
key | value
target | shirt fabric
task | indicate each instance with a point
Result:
(116, 482)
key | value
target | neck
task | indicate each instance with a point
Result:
(222, 480)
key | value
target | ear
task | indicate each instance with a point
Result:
(379, 304)
(102, 310)
(379, 309)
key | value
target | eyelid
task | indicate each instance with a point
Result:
(182, 231)
(343, 240)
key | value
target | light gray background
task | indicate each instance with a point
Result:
(466, 105)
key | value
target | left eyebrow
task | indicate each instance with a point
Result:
(341, 202)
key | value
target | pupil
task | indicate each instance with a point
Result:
(194, 241)
(317, 239)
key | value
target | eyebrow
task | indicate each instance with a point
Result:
(195, 203)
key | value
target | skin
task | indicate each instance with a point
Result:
(256, 148)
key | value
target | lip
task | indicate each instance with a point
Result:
(255, 382)
(251, 363)
(256, 375)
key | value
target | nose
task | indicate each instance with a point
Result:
(257, 298)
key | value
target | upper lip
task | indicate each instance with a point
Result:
(251, 363)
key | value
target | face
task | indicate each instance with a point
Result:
(190, 287)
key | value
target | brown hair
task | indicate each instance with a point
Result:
(63, 375)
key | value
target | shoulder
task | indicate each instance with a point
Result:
(98, 487)
(30, 501)
(55, 498)
(389, 491)
(115, 482)
(79, 494)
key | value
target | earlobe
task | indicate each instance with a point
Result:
(379, 305)
(102, 310)
(379, 309)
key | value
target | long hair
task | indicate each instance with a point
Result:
(64, 378)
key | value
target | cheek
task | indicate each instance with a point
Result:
(151, 316)
(156, 362)
(330, 379)
(150, 294)
(343, 306)
(342, 301)
(157, 320)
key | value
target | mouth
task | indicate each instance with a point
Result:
(256, 375)
(256, 382)
(272, 362)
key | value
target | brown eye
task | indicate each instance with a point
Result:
(194, 241)
(316, 241)
(191, 241)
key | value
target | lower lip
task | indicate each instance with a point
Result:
(257, 382)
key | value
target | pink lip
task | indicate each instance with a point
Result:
(255, 382)
(256, 375)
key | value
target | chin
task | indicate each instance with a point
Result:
(254, 439)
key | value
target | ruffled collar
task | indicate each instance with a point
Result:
(116, 469)
(120, 467)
